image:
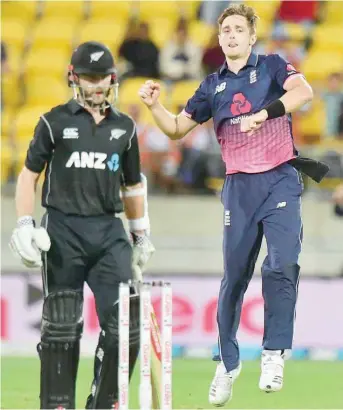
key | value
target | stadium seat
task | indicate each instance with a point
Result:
(7, 117)
(25, 123)
(25, 11)
(54, 33)
(311, 125)
(328, 38)
(6, 160)
(318, 65)
(119, 10)
(109, 32)
(11, 90)
(189, 9)
(46, 90)
(64, 10)
(47, 61)
(128, 91)
(161, 31)
(150, 10)
(14, 32)
(200, 33)
(266, 10)
(181, 92)
(334, 13)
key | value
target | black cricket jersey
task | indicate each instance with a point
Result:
(86, 163)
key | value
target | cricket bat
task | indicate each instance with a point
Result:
(156, 351)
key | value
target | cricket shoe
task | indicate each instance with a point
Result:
(222, 385)
(272, 364)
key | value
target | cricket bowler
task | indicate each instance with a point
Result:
(91, 155)
(250, 99)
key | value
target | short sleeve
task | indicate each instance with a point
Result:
(198, 107)
(282, 70)
(40, 148)
(131, 167)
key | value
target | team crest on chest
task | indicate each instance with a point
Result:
(253, 76)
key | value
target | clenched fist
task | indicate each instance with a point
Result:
(253, 122)
(149, 93)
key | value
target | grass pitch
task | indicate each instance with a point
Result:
(308, 385)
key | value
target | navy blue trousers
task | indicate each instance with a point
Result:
(267, 204)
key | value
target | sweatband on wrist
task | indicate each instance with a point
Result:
(133, 192)
(25, 220)
(275, 110)
(139, 224)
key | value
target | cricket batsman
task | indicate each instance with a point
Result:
(251, 98)
(91, 155)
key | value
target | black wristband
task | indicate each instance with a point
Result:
(275, 110)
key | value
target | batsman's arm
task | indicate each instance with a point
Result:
(25, 192)
(38, 154)
(134, 189)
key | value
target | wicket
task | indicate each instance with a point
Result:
(145, 387)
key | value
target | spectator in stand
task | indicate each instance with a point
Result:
(139, 51)
(180, 59)
(160, 157)
(213, 55)
(306, 13)
(333, 101)
(289, 50)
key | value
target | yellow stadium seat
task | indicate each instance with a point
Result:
(334, 13)
(266, 10)
(200, 33)
(189, 9)
(128, 91)
(7, 118)
(26, 121)
(54, 33)
(181, 92)
(312, 123)
(14, 32)
(47, 61)
(328, 38)
(46, 90)
(119, 10)
(318, 65)
(15, 60)
(6, 161)
(64, 10)
(110, 32)
(26, 11)
(149, 10)
(11, 90)
(264, 28)
(161, 31)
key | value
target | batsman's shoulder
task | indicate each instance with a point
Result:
(125, 121)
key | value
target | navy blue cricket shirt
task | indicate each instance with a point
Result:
(228, 97)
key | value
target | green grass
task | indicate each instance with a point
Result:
(308, 385)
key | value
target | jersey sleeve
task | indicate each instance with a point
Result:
(282, 70)
(131, 167)
(40, 148)
(198, 107)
